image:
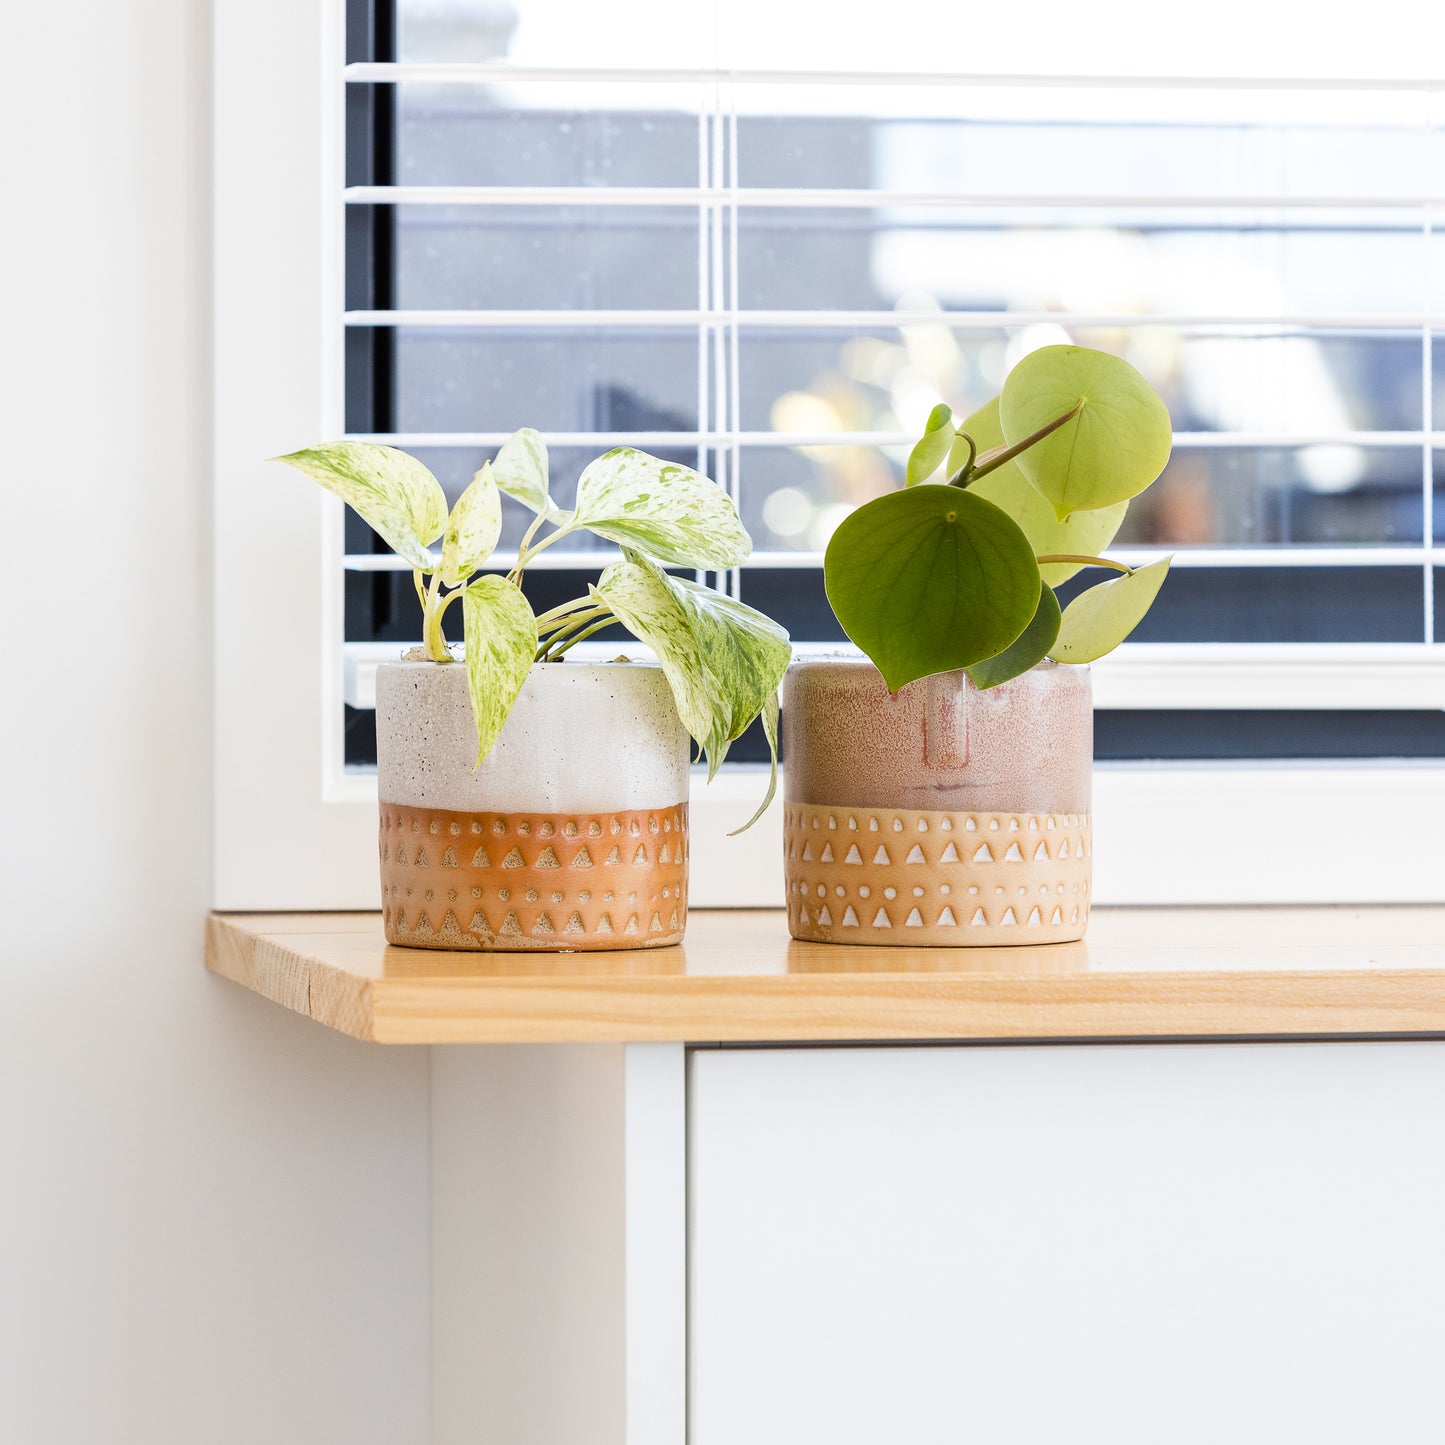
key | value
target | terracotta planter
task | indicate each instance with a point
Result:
(571, 835)
(944, 815)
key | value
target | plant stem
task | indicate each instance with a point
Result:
(564, 634)
(550, 621)
(416, 577)
(447, 601)
(436, 643)
(962, 476)
(580, 637)
(526, 553)
(995, 458)
(515, 575)
(1084, 561)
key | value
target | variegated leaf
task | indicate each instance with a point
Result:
(723, 660)
(667, 511)
(390, 491)
(520, 470)
(472, 529)
(770, 732)
(501, 642)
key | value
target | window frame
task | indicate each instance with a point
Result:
(295, 830)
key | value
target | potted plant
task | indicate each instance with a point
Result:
(937, 790)
(527, 802)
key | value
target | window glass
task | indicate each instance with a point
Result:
(1335, 495)
(649, 33)
(1231, 38)
(1160, 142)
(545, 258)
(1244, 380)
(1226, 263)
(561, 379)
(795, 249)
(521, 134)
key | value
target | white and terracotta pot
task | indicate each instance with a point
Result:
(572, 834)
(944, 815)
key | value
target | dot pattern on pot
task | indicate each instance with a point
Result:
(905, 876)
(552, 881)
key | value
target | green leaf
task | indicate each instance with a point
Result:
(1084, 533)
(723, 660)
(932, 447)
(1098, 620)
(668, 511)
(472, 529)
(1110, 451)
(501, 642)
(520, 470)
(1031, 646)
(930, 579)
(391, 492)
(770, 731)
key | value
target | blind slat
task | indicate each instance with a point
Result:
(835, 320)
(484, 73)
(1279, 555)
(683, 439)
(801, 198)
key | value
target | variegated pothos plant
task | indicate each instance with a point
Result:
(722, 659)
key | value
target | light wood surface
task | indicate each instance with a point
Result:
(738, 977)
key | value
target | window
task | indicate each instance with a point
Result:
(603, 231)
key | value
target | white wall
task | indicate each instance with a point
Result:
(212, 1214)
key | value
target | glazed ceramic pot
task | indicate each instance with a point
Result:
(572, 834)
(944, 815)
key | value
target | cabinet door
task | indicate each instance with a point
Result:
(1113, 1243)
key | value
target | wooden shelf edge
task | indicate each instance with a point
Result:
(331, 986)
(295, 979)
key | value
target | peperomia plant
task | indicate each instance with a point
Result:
(722, 660)
(962, 575)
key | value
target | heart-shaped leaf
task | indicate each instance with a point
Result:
(667, 511)
(1098, 620)
(520, 470)
(931, 448)
(723, 660)
(472, 529)
(1030, 647)
(391, 492)
(501, 642)
(930, 579)
(1083, 534)
(1110, 451)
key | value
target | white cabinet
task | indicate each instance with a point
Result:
(558, 1243)
(1133, 1243)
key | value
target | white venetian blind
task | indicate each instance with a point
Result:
(773, 273)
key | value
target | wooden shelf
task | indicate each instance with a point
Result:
(738, 977)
